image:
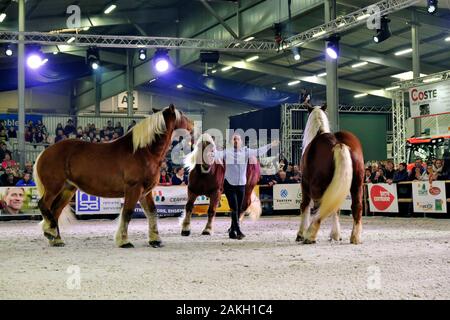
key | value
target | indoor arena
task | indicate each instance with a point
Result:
(225, 150)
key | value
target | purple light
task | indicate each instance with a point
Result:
(161, 65)
(332, 53)
(34, 61)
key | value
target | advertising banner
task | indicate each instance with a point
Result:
(12, 119)
(347, 205)
(429, 198)
(287, 196)
(383, 197)
(429, 99)
(19, 201)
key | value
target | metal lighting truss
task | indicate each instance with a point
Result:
(111, 41)
(348, 21)
(399, 111)
(290, 134)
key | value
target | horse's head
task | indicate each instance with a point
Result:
(176, 119)
(202, 154)
(323, 107)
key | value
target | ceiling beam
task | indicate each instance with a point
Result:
(295, 74)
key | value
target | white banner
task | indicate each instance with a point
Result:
(429, 99)
(383, 197)
(287, 196)
(122, 100)
(429, 198)
(347, 205)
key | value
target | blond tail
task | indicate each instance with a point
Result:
(340, 185)
(40, 187)
(254, 210)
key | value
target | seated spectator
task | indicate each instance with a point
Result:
(91, 136)
(26, 181)
(28, 135)
(8, 162)
(419, 164)
(30, 125)
(400, 175)
(4, 151)
(109, 126)
(12, 133)
(267, 180)
(437, 169)
(38, 137)
(179, 178)
(445, 173)
(289, 170)
(296, 176)
(41, 127)
(85, 137)
(115, 136)
(2, 124)
(70, 128)
(119, 129)
(164, 178)
(28, 167)
(389, 170)
(3, 136)
(59, 127)
(60, 136)
(10, 180)
(79, 134)
(132, 124)
(281, 177)
(368, 176)
(427, 175)
(379, 176)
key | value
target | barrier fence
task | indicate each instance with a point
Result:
(403, 197)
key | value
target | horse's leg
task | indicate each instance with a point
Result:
(213, 202)
(335, 233)
(61, 201)
(186, 226)
(305, 214)
(150, 211)
(131, 197)
(356, 191)
(45, 204)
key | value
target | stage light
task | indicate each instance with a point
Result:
(110, 9)
(253, 58)
(161, 61)
(34, 61)
(432, 6)
(226, 68)
(142, 54)
(296, 56)
(333, 47)
(179, 86)
(296, 53)
(8, 50)
(402, 52)
(93, 58)
(72, 39)
(384, 32)
(249, 39)
(274, 88)
(293, 83)
(323, 74)
(360, 95)
(359, 64)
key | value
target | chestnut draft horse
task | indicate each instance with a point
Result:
(127, 167)
(332, 167)
(206, 177)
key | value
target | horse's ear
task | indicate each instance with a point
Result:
(172, 108)
(155, 110)
(310, 108)
(324, 107)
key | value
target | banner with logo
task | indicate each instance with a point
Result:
(19, 201)
(429, 99)
(383, 197)
(429, 198)
(287, 196)
(122, 100)
(13, 120)
(347, 205)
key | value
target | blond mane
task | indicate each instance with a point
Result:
(145, 132)
(191, 159)
(317, 122)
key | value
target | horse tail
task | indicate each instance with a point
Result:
(39, 185)
(254, 210)
(339, 187)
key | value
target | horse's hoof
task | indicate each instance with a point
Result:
(186, 233)
(49, 236)
(206, 233)
(155, 244)
(127, 245)
(57, 243)
(307, 241)
(332, 239)
(299, 238)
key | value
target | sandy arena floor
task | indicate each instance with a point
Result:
(399, 259)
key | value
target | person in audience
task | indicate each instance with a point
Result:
(28, 167)
(26, 181)
(8, 162)
(389, 170)
(70, 128)
(10, 180)
(119, 129)
(179, 178)
(437, 169)
(58, 127)
(290, 170)
(41, 127)
(2, 124)
(79, 134)
(13, 200)
(419, 164)
(12, 133)
(400, 175)
(132, 124)
(85, 137)
(91, 136)
(164, 178)
(379, 176)
(368, 175)
(109, 126)
(296, 175)
(60, 136)
(3, 135)
(427, 175)
(282, 178)
(38, 137)
(115, 136)
(28, 135)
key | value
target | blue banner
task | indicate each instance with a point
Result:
(12, 119)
